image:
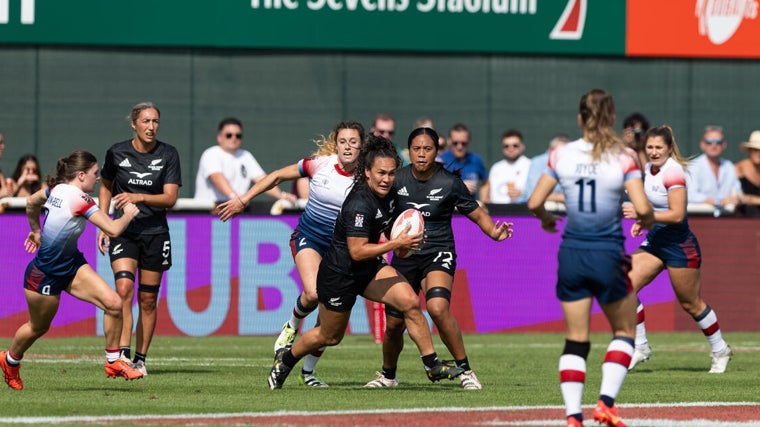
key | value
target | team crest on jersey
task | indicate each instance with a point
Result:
(125, 163)
(87, 198)
(359, 220)
(403, 191)
(433, 195)
(155, 165)
(379, 214)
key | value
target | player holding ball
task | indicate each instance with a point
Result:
(428, 187)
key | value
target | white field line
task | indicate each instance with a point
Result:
(188, 416)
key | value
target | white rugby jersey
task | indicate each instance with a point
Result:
(328, 187)
(66, 213)
(594, 189)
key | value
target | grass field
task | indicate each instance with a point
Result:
(227, 375)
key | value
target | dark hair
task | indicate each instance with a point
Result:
(137, 109)
(373, 148)
(33, 186)
(512, 132)
(66, 168)
(636, 118)
(229, 121)
(423, 131)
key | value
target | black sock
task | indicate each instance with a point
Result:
(126, 352)
(288, 359)
(139, 357)
(431, 360)
(389, 373)
(464, 364)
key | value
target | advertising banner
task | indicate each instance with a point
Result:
(238, 278)
(514, 26)
(693, 29)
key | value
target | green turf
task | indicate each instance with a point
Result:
(64, 377)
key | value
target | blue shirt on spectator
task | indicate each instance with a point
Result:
(471, 166)
(701, 183)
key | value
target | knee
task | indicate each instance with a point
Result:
(112, 305)
(333, 340)
(407, 303)
(148, 297)
(394, 326)
(437, 299)
(694, 308)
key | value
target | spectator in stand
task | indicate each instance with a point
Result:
(538, 166)
(507, 177)
(26, 178)
(634, 128)
(5, 190)
(748, 173)
(711, 178)
(227, 171)
(385, 125)
(458, 159)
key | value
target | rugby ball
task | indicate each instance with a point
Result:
(411, 217)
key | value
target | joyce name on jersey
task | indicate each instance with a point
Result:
(66, 212)
(436, 199)
(363, 215)
(594, 189)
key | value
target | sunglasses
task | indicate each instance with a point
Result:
(510, 146)
(711, 141)
(236, 135)
(386, 132)
(462, 143)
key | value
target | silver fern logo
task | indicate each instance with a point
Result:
(719, 19)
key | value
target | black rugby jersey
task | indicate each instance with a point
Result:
(142, 173)
(436, 199)
(363, 215)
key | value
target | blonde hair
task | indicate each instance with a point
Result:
(597, 112)
(327, 146)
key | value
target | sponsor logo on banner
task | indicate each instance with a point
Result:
(719, 19)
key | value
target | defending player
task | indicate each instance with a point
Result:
(671, 245)
(594, 172)
(60, 266)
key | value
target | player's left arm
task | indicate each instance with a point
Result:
(496, 230)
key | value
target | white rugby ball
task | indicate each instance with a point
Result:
(411, 217)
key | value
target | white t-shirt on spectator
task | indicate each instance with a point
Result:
(240, 169)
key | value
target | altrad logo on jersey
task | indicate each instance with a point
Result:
(139, 180)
